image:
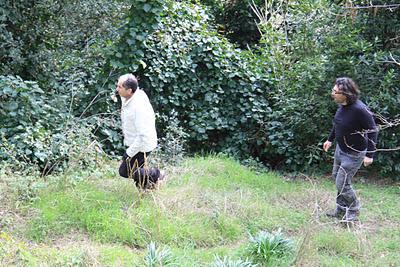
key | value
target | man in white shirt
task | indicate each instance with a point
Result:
(139, 130)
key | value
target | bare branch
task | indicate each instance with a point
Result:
(393, 61)
(389, 6)
(385, 124)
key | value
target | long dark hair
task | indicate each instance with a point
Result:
(348, 88)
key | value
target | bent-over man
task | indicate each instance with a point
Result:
(139, 130)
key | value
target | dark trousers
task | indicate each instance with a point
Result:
(136, 169)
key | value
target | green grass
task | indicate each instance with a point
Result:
(208, 206)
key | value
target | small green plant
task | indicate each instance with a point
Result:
(227, 262)
(14, 252)
(27, 187)
(158, 257)
(81, 258)
(265, 247)
(254, 164)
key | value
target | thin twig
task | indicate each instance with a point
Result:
(389, 6)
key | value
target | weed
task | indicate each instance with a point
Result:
(172, 145)
(157, 257)
(265, 247)
(13, 253)
(227, 262)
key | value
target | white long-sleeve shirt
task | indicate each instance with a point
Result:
(138, 124)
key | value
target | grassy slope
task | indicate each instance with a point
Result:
(207, 207)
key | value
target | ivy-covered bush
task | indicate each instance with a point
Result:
(273, 102)
(219, 92)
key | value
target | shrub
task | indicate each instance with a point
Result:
(308, 57)
(172, 145)
(176, 56)
(34, 132)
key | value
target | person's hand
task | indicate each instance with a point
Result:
(327, 145)
(125, 157)
(368, 161)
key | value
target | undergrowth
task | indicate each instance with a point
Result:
(201, 216)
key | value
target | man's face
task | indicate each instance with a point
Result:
(338, 96)
(121, 89)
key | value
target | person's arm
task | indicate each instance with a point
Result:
(331, 137)
(139, 126)
(144, 125)
(368, 124)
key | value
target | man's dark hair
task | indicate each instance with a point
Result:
(348, 88)
(130, 83)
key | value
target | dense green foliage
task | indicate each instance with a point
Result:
(235, 20)
(61, 48)
(33, 131)
(313, 58)
(268, 99)
(255, 102)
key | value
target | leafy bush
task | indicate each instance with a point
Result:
(172, 146)
(63, 49)
(35, 133)
(27, 115)
(176, 65)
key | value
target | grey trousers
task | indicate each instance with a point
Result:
(345, 166)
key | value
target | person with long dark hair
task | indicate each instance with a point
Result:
(355, 132)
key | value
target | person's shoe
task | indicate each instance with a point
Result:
(336, 213)
(352, 216)
(162, 177)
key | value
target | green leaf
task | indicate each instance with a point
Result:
(146, 7)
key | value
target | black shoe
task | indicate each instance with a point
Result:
(337, 213)
(352, 216)
(162, 176)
